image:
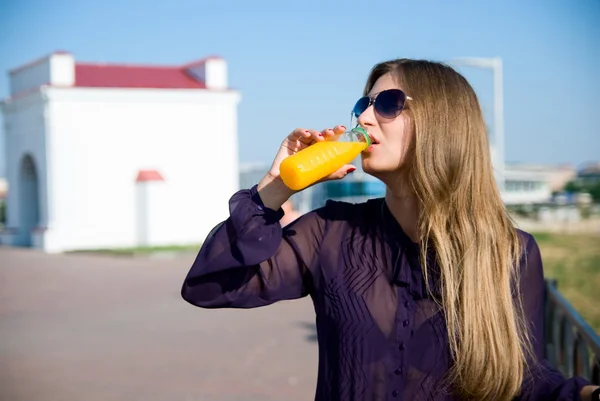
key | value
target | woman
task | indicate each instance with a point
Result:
(427, 294)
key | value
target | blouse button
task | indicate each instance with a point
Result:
(259, 207)
(407, 304)
(401, 347)
(405, 323)
(398, 371)
(395, 393)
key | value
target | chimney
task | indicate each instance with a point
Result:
(212, 70)
(62, 69)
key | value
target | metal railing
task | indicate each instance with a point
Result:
(572, 345)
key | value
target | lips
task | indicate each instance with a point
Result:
(371, 147)
(374, 140)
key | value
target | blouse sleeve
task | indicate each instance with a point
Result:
(545, 382)
(249, 261)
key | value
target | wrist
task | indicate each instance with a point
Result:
(273, 192)
(590, 393)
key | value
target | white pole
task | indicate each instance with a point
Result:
(499, 122)
(495, 64)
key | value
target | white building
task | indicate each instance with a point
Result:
(526, 187)
(531, 184)
(102, 156)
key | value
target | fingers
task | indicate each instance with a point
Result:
(309, 136)
(339, 129)
(305, 136)
(341, 173)
(333, 134)
(299, 133)
(327, 133)
(315, 136)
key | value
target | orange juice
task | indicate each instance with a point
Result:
(308, 166)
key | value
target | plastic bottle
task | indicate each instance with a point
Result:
(317, 161)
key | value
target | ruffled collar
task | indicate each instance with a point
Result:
(406, 257)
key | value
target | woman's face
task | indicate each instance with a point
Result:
(390, 136)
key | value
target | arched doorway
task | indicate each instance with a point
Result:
(29, 204)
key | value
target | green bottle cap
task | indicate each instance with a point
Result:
(364, 132)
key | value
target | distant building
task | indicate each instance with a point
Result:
(556, 176)
(524, 185)
(589, 174)
(103, 155)
(252, 173)
(561, 176)
(357, 187)
(533, 183)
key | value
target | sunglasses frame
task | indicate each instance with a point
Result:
(373, 99)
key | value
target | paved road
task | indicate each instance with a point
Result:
(87, 328)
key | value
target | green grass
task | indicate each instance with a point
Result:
(574, 261)
(143, 250)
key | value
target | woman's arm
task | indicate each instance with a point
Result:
(249, 261)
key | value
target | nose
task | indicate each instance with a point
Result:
(367, 118)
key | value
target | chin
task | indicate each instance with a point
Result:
(377, 168)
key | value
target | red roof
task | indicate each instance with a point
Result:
(100, 75)
(124, 76)
(148, 175)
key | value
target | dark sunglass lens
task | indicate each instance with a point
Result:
(389, 104)
(361, 105)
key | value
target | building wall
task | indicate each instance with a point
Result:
(525, 185)
(526, 193)
(100, 138)
(24, 119)
(560, 177)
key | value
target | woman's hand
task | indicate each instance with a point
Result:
(273, 192)
(300, 139)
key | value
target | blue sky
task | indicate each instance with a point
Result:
(304, 64)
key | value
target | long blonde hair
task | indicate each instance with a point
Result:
(463, 218)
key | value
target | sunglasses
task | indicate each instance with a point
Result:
(388, 103)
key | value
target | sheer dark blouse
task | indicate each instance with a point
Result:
(380, 336)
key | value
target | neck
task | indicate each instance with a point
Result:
(404, 207)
